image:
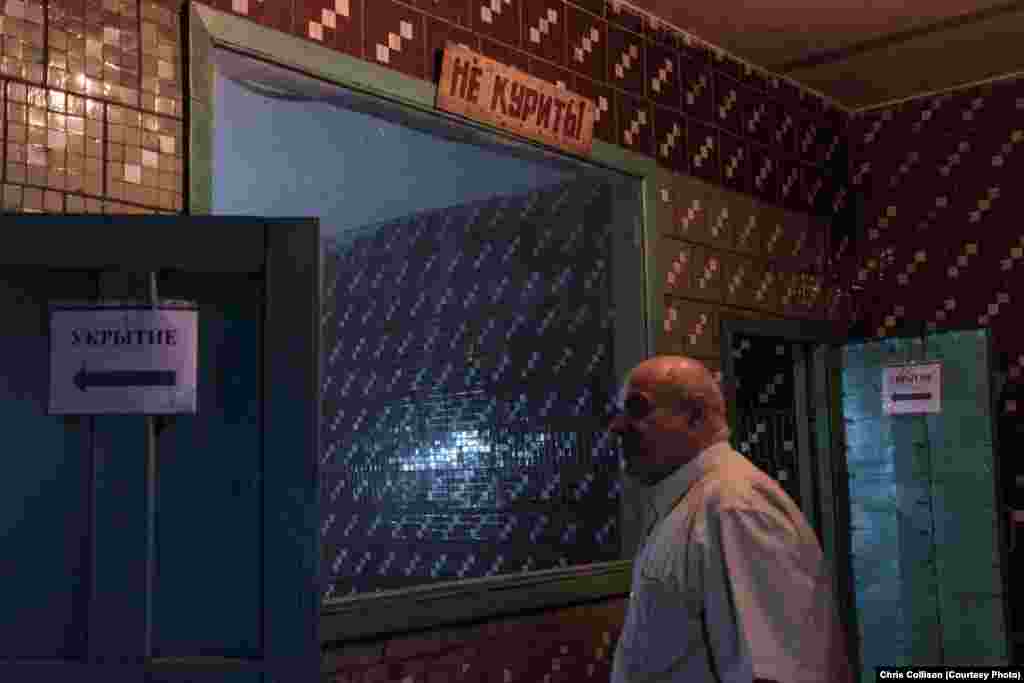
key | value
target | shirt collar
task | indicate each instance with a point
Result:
(673, 487)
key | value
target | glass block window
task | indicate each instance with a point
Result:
(469, 366)
(482, 301)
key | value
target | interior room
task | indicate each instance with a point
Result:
(802, 198)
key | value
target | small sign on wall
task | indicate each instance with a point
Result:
(912, 389)
(123, 359)
(480, 88)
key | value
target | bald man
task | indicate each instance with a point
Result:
(730, 585)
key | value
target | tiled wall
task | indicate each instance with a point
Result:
(561, 646)
(659, 92)
(941, 244)
(726, 254)
(91, 106)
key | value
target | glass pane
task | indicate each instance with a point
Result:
(477, 299)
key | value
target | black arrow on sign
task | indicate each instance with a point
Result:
(911, 397)
(125, 378)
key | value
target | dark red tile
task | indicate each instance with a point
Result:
(697, 87)
(506, 55)
(624, 17)
(806, 136)
(725, 64)
(814, 190)
(759, 120)
(275, 15)
(703, 148)
(662, 34)
(735, 163)
(636, 124)
(333, 23)
(587, 44)
(754, 78)
(605, 125)
(440, 32)
(729, 102)
(695, 49)
(791, 186)
(595, 7)
(551, 73)
(785, 135)
(498, 19)
(662, 68)
(455, 11)
(544, 29)
(764, 168)
(626, 60)
(396, 38)
(670, 148)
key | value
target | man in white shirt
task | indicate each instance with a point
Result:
(731, 585)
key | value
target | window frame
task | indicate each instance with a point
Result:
(409, 101)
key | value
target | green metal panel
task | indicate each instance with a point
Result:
(926, 536)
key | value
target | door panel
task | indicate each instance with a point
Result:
(45, 481)
(210, 485)
(924, 523)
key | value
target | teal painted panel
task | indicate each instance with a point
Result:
(44, 483)
(210, 521)
(922, 495)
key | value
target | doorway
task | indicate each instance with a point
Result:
(782, 384)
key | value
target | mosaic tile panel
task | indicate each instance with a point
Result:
(464, 419)
(544, 32)
(99, 128)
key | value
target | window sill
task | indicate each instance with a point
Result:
(455, 602)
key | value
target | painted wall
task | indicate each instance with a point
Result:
(349, 169)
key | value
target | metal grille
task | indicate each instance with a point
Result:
(468, 373)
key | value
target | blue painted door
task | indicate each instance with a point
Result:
(72, 505)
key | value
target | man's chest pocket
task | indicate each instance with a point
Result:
(662, 625)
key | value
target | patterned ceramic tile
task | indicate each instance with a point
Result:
(595, 7)
(626, 60)
(498, 19)
(636, 123)
(791, 185)
(736, 164)
(161, 59)
(704, 150)
(662, 71)
(333, 23)
(605, 125)
(587, 43)
(624, 17)
(563, 78)
(505, 55)
(395, 37)
(764, 168)
(456, 11)
(696, 83)
(439, 33)
(670, 139)
(730, 101)
(544, 29)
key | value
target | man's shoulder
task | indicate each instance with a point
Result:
(736, 484)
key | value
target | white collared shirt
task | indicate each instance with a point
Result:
(730, 586)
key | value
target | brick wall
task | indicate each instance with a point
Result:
(571, 644)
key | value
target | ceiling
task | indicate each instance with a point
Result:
(861, 53)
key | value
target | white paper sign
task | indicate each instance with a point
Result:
(912, 389)
(123, 359)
